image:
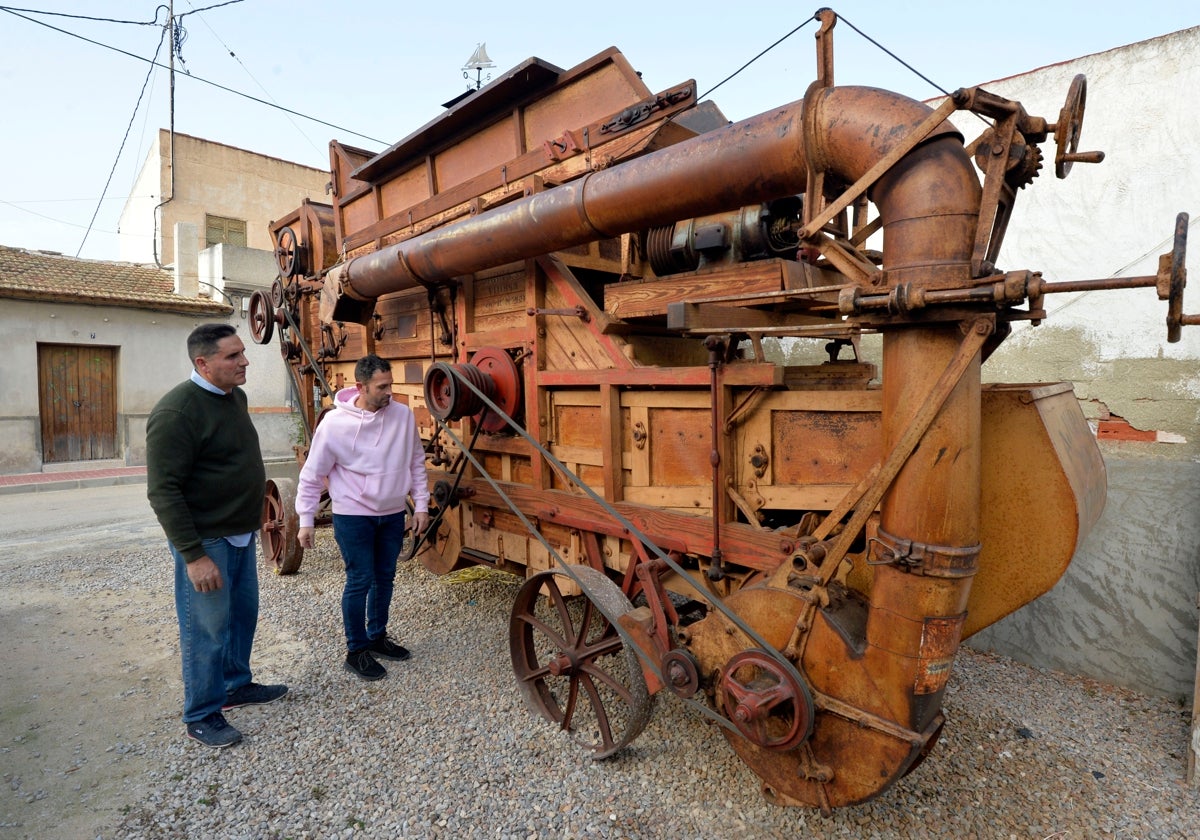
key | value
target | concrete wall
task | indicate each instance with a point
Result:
(215, 179)
(1125, 612)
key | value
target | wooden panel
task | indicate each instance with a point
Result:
(359, 213)
(404, 191)
(634, 300)
(696, 499)
(571, 343)
(824, 447)
(78, 408)
(476, 153)
(577, 426)
(680, 444)
(605, 91)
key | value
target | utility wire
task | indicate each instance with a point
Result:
(86, 17)
(197, 78)
(757, 57)
(234, 56)
(132, 117)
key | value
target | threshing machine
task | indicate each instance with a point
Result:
(574, 277)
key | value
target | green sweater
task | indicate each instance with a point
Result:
(204, 469)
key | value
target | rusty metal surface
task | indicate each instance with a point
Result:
(581, 323)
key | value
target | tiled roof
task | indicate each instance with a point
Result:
(37, 275)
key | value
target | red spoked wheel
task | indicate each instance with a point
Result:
(764, 702)
(571, 664)
(287, 252)
(280, 527)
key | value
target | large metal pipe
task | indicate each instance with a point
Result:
(930, 198)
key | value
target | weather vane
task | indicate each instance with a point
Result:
(478, 62)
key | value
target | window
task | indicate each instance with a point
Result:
(219, 230)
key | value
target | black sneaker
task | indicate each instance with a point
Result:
(253, 694)
(213, 731)
(385, 647)
(362, 663)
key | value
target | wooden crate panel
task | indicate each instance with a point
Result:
(404, 190)
(606, 91)
(680, 444)
(479, 152)
(578, 425)
(823, 447)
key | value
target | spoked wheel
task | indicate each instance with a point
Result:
(262, 317)
(572, 665)
(280, 525)
(441, 551)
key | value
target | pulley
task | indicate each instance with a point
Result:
(449, 394)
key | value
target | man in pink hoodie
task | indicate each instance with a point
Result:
(369, 451)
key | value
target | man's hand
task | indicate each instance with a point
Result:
(204, 574)
(306, 537)
(420, 521)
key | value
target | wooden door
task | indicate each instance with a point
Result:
(77, 389)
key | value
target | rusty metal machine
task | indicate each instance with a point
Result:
(574, 277)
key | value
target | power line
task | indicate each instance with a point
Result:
(246, 70)
(15, 13)
(137, 105)
(88, 17)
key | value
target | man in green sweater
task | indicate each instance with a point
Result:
(205, 481)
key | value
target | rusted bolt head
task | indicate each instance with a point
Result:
(676, 674)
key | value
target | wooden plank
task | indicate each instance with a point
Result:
(649, 298)
(611, 441)
(735, 375)
(688, 533)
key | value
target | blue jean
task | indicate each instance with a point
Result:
(370, 546)
(216, 629)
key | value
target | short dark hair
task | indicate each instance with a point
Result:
(204, 339)
(368, 366)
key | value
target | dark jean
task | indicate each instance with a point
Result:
(216, 629)
(370, 546)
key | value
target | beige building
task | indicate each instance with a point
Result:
(229, 194)
(94, 344)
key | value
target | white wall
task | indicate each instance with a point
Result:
(1125, 612)
(151, 359)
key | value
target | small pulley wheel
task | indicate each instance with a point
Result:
(287, 252)
(681, 673)
(443, 494)
(764, 702)
(262, 318)
(446, 395)
(277, 295)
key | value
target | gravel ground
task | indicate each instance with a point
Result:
(443, 747)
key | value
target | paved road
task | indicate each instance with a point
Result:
(34, 525)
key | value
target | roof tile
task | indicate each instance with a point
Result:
(41, 275)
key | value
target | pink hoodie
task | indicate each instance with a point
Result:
(372, 460)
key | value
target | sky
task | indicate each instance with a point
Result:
(82, 100)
